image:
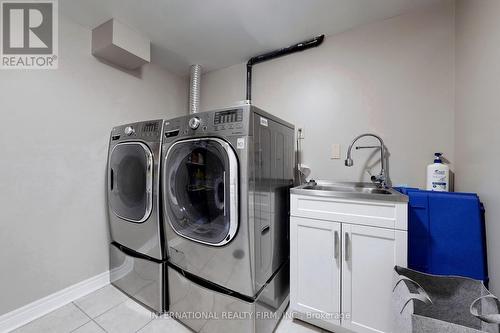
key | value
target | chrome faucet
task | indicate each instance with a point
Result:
(381, 179)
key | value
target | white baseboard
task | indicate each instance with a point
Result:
(41, 307)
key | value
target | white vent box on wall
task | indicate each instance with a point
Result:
(120, 45)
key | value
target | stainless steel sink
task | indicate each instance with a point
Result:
(349, 191)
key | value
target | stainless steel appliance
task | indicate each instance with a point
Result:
(137, 255)
(226, 175)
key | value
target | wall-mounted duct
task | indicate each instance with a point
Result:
(120, 45)
(194, 89)
(276, 54)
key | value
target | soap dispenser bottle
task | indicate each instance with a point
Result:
(438, 175)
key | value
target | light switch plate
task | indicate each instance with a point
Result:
(335, 151)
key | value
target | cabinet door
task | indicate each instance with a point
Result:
(315, 261)
(369, 256)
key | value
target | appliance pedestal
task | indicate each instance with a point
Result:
(139, 277)
(209, 311)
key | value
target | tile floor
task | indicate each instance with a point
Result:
(109, 310)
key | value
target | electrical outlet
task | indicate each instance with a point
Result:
(335, 151)
(300, 133)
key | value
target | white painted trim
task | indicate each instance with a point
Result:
(41, 307)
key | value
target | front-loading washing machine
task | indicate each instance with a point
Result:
(137, 250)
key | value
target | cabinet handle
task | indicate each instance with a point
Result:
(347, 254)
(336, 245)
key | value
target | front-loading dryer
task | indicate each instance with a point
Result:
(225, 179)
(137, 252)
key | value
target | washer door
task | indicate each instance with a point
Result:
(130, 181)
(200, 180)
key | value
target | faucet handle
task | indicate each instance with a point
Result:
(368, 147)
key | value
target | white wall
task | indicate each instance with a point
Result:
(53, 144)
(478, 114)
(394, 78)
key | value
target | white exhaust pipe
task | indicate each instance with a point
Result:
(194, 89)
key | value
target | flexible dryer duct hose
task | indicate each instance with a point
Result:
(194, 89)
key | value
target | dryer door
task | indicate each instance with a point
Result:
(200, 186)
(130, 181)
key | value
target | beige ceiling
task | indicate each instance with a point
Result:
(220, 33)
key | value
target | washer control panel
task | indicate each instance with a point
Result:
(149, 130)
(129, 130)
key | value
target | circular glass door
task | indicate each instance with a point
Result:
(200, 190)
(130, 181)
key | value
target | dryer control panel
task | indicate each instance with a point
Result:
(221, 123)
(228, 116)
(228, 119)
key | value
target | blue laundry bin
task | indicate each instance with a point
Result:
(446, 234)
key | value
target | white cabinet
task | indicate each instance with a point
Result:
(316, 261)
(369, 257)
(342, 256)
